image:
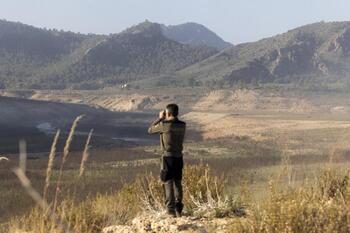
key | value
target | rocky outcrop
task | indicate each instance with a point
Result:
(310, 54)
(341, 43)
(296, 58)
(161, 223)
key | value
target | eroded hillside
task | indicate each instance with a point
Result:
(232, 101)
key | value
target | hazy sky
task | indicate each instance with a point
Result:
(235, 20)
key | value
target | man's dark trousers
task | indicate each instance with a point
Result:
(172, 167)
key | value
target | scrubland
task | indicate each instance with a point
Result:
(282, 174)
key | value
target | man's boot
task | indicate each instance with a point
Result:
(178, 209)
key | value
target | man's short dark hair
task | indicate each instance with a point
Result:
(173, 109)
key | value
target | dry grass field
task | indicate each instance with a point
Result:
(259, 158)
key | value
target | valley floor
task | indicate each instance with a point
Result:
(248, 149)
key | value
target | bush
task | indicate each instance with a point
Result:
(203, 196)
(203, 193)
(324, 207)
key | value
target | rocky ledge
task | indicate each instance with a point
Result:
(161, 223)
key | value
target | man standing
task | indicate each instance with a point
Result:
(172, 133)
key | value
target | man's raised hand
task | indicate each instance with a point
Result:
(162, 114)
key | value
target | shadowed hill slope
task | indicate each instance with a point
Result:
(51, 59)
(137, 53)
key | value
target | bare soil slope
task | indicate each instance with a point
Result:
(231, 101)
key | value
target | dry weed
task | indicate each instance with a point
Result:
(64, 158)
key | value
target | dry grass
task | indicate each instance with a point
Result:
(3, 158)
(50, 165)
(203, 196)
(64, 158)
(100, 176)
(48, 215)
(320, 207)
(317, 206)
(258, 127)
(23, 155)
(85, 154)
(68, 216)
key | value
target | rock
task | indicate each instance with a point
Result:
(162, 223)
(159, 223)
(119, 229)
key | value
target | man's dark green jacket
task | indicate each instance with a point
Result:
(172, 134)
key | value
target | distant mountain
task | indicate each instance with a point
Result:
(194, 34)
(139, 52)
(37, 58)
(32, 43)
(319, 52)
(27, 52)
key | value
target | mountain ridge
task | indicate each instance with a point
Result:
(195, 34)
(140, 51)
(315, 54)
(319, 50)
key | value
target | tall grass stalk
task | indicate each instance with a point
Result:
(20, 173)
(50, 165)
(61, 218)
(64, 158)
(28, 187)
(22, 155)
(85, 154)
(4, 158)
(38, 199)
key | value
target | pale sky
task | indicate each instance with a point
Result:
(235, 21)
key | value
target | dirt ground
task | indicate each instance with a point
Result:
(261, 115)
(246, 135)
(229, 101)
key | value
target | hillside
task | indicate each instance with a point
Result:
(139, 52)
(51, 59)
(194, 34)
(28, 54)
(318, 53)
(38, 45)
(314, 56)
